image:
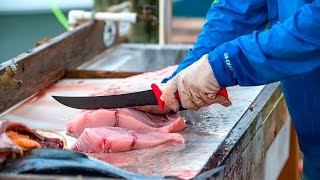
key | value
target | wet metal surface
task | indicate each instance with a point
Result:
(139, 58)
(207, 128)
(42, 111)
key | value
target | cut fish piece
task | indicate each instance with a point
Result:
(134, 119)
(136, 83)
(88, 119)
(125, 117)
(115, 139)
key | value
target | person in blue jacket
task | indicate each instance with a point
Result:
(235, 49)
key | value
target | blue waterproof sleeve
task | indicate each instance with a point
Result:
(287, 49)
(226, 20)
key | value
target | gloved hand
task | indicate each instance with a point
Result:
(197, 87)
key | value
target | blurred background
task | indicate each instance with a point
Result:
(25, 22)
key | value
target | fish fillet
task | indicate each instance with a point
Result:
(125, 117)
(115, 139)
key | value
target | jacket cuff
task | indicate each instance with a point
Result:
(222, 68)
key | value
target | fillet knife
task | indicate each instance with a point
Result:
(142, 98)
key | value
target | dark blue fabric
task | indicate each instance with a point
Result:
(226, 21)
(241, 53)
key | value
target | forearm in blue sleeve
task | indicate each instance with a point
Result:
(226, 20)
(288, 49)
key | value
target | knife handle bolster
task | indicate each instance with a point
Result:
(157, 92)
(223, 92)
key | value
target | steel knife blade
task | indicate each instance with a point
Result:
(142, 98)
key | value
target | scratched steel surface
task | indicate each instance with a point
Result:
(207, 128)
(135, 57)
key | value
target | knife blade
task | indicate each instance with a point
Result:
(109, 102)
(142, 98)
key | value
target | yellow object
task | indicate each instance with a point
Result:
(7, 79)
(23, 141)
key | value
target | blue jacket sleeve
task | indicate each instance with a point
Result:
(226, 20)
(288, 49)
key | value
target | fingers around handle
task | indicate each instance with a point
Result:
(178, 98)
(223, 92)
(158, 93)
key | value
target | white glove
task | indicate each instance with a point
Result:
(197, 87)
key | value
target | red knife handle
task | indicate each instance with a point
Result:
(157, 92)
(223, 92)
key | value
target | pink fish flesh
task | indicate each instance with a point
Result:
(115, 139)
(125, 117)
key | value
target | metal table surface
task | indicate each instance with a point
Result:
(207, 129)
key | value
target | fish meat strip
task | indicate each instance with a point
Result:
(115, 139)
(126, 117)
